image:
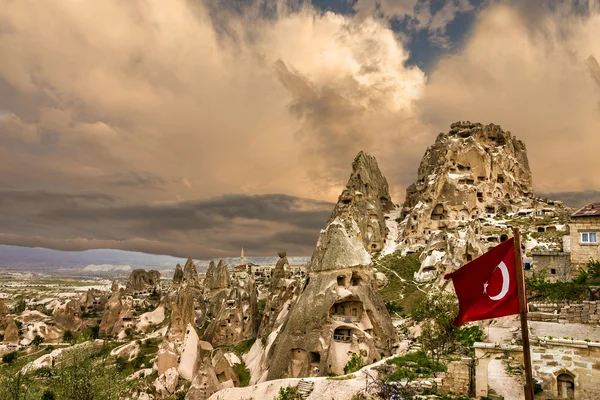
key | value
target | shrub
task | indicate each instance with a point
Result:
(68, 336)
(37, 340)
(288, 393)
(48, 395)
(412, 366)
(354, 363)
(8, 358)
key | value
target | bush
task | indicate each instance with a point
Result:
(48, 395)
(288, 393)
(37, 340)
(68, 336)
(412, 366)
(19, 306)
(354, 363)
(243, 373)
(8, 358)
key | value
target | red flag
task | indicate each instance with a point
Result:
(487, 286)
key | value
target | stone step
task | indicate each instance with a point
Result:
(305, 388)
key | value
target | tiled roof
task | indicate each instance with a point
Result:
(591, 210)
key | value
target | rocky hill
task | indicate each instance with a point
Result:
(472, 184)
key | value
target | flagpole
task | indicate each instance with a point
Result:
(523, 315)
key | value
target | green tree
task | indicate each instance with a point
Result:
(8, 358)
(48, 395)
(438, 335)
(19, 306)
(37, 340)
(354, 363)
(68, 336)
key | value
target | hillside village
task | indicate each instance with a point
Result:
(350, 324)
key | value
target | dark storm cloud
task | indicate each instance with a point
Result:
(133, 179)
(225, 223)
(574, 199)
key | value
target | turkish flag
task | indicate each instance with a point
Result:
(487, 286)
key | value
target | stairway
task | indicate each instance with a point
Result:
(305, 388)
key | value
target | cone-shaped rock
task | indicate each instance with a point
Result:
(339, 311)
(217, 277)
(364, 201)
(178, 274)
(190, 274)
(11, 332)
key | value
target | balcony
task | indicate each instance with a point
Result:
(349, 319)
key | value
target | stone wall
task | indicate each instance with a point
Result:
(555, 265)
(581, 252)
(587, 312)
(552, 360)
(456, 380)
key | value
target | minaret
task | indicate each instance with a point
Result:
(242, 260)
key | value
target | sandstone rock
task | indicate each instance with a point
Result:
(117, 311)
(468, 176)
(142, 281)
(190, 274)
(4, 310)
(68, 316)
(236, 317)
(364, 202)
(223, 369)
(217, 277)
(178, 275)
(339, 311)
(281, 270)
(11, 332)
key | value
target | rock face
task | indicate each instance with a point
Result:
(11, 332)
(364, 202)
(470, 178)
(281, 270)
(217, 277)
(178, 275)
(190, 274)
(4, 311)
(141, 280)
(236, 317)
(212, 374)
(339, 311)
(68, 316)
(117, 311)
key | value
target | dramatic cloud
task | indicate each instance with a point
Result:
(531, 73)
(202, 228)
(166, 126)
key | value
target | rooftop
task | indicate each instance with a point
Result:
(591, 210)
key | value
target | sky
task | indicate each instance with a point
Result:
(196, 127)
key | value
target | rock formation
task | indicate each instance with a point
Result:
(178, 275)
(339, 312)
(235, 318)
(190, 274)
(213, 372)
(281, 270)
(68, 316)
(141, 281)
(11, 332)
(470, 178)
(364, 202)
(217, 278)
(4, 311)
(118, 309)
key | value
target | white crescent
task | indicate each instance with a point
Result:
(505, 283)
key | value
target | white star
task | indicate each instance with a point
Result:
(485, 285)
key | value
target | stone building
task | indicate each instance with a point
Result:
(584, 231)
(565, 369)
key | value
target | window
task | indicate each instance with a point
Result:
(589, 237)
